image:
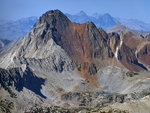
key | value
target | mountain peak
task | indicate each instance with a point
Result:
(53, 15)
(107, 15)
(82, 13)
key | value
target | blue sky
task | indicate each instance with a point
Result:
(128, 9)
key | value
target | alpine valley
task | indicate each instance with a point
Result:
(66, 67)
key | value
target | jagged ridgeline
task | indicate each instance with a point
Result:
(61, 66)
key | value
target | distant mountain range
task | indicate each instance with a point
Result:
(106, 21)
(12, 30)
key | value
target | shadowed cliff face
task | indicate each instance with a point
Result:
(15, 77)
(128, 59)
(144, 54)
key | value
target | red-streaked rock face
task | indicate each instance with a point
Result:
(144, 54)
(128, 52)
(82, 42)
(127, 57)
(131, 40)
(91, 48)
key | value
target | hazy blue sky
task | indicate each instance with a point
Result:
(129, 9)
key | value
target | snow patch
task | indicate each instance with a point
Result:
(117, 48)
(136, 53)
(116, 53)
(121, 42)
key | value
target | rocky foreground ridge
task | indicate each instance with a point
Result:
(60, 66)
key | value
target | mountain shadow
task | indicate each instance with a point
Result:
(19, 79)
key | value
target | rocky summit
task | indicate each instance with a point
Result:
(66, 67)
